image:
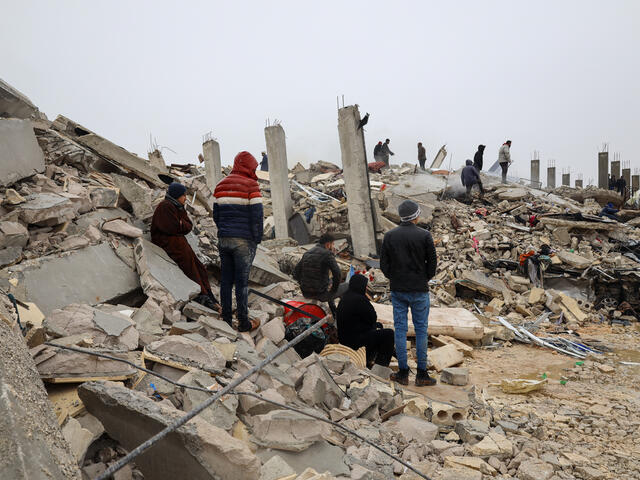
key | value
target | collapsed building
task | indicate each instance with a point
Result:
(102, 346)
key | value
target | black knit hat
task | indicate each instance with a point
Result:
(408, 211)
(176, 190)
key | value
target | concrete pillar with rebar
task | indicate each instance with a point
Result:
(578, 183)
(535, 173)
(356, 177)
(603, 170)
(212, 165)
(551, 177)
(566, 179)
(279, 179)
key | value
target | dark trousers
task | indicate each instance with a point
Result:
(469, 187)
(236, 257)
(379, 344)
(422, 161)
(505, 167)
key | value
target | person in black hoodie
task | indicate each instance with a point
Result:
(477, 158)
(357, 326)
(470, 177)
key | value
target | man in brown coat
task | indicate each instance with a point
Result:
(169, 226)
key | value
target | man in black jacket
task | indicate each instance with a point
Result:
(408, 259)
(478, 158)
(358, 327)
(312, 273)
(385, 152)
(470, 177)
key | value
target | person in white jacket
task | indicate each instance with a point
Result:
(504, 159)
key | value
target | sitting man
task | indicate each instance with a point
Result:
(169, 226)
(357, 326)
(312, 273)
(610, 211)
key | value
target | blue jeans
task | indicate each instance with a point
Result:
(420, 304)
(236, 257)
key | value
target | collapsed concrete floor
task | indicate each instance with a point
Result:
(74, 252)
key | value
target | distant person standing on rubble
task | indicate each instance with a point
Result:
(470, 177)
(422, 155)
(169, 225)
(312, 273)
(478, 158)
(377, 156)
(621, 187)
(238, 213)
(385, 152)
(504, 159)
(264, 164)
(408, 259)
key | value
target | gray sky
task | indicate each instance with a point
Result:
(560, 77)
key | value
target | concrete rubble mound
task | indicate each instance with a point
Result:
(533, 329)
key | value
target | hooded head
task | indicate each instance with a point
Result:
(379, 143)
(176, 190)
(508, 142)
(610, 205)
(481, 148)
(469, 162)
(245, 164)
(358, 284)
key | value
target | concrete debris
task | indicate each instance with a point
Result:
(532, 287)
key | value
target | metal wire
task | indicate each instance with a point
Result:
(250, 394)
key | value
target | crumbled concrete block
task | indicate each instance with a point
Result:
(77, 437)
(196, 450)
(287, 430)
(90, 275)
(222, 413)
(455, 376)
(32, 444)
(46, 210)
(13, 234)
(74, 242)
(140, 197)
(411, 428)
(273, 330)
(103, 197)
(55, 363)
(148, 318)
(189, 353)
(275, 468)
(109, 330)
(321, 456)
(318, 388)
(122, 228)
(535, 469)
(20, 154)
(471, 431)
(10, 256)
(443, 357)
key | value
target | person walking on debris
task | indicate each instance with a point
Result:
(385, 152)
(238, 213)
(264, 164)
(408, 259)
(358, 327)
(478, 158)
(621, 187)
(422, 155)
(312, 273)
(169, 225)
(612, 182)
(377, 155)
(610, 211)
(504, 159)
(470, 177)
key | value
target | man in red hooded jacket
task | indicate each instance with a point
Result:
(237, 211)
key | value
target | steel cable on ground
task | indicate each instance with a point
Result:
(249, 394)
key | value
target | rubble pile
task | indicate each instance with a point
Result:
(527, 279)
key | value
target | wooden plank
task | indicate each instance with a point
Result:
(113, 378)
(454, 322)
(65, 401)
(466, 350)
(170, 363)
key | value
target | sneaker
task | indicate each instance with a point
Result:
(401, 376)
(424, 380)
(250, 326)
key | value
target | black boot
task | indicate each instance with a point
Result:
(424, 380)
(401, 376)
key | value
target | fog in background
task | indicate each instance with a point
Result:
(561, 77)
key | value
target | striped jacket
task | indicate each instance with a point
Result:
(237, 207)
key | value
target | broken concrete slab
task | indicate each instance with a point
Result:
(13, 234)
(90, 275)
(139, 196)
(15, 104)
(275, 469)
(426, 208)
(195, 450)
(187, 353)
(60, 366)
(46, 210)
(265, 271)
(411, 428)
(20, 154)
(77, 437)
(10, 256)
(96, 218)
(287, 430)
(321, 456)
(222, 413)
(455, 376)
(318, 388)
(573, 259)
(443, 357)
(107, 330)
(32, 444)
(121, 227)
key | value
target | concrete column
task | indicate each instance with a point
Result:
(635, 183)
(535, 173)
(278, 176)
(551, 177)
(579, 183)
(626, 174)
(156, 160)
(356, 177)
(615, 168)
(603, 170)
(566, 179)
(212, 165)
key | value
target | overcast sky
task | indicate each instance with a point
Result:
(561, 77)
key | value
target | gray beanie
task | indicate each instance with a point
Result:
(408, 211)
